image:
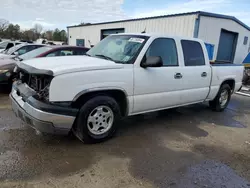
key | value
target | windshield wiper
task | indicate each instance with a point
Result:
(105, 57)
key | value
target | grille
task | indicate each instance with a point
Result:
(39, 83)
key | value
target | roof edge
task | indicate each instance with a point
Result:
(208, 14)
(138, 19)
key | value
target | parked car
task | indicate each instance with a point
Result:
(5, 45)
(6, 72)
(7, 65)
(124, 75)
(52, 51)
(19, 50)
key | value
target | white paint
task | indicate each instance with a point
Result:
(176, 25)
(6, 56)
(147, 89)
(67, 64)
(210, 29)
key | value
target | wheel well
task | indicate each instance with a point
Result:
(230, 82)
(118, 95)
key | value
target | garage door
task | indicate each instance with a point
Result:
(227, 46)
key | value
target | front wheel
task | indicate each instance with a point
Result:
(222, 99)
(97, 119)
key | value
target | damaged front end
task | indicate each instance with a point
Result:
(37, 80)
(30, 102)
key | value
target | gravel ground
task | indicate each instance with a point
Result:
(187, 147)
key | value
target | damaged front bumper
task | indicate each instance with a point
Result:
(46, 118)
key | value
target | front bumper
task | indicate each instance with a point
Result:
(27, 109)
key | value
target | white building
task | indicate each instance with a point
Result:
(227, 37)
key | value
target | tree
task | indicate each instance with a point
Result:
(38, 28)
(56, 35)
(49, 35)
(13, 32)
(16, 32)
(82, 23)
(29, 35)
(3, 26)
(63, 35)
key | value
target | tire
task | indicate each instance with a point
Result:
(87, 119)
(217, 104)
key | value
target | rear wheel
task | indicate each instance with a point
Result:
(222, 99)
(97, 119)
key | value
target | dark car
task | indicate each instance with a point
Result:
(6, 72)
(7, 65)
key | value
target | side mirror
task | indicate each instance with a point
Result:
(16, 53)
(152, 61)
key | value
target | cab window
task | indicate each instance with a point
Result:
(164, 48)
(193, 53)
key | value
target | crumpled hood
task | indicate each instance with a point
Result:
(67, 64)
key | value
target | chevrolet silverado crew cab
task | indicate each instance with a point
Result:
(123, 75)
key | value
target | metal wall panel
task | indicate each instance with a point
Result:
(177, 25)
(210, 30)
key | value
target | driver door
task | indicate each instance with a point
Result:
(157, 88)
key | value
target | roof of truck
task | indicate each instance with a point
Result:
(161, 35)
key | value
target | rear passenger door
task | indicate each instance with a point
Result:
(196, 74)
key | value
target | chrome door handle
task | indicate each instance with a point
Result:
(178, 76)
(204, 74)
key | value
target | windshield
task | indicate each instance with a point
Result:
(119, 48)
(13, 49)
(34, 53)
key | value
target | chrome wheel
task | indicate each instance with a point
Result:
(223, 98)
(100, 120)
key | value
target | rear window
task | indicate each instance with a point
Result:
(193, 53)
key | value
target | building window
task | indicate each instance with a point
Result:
(245, 40)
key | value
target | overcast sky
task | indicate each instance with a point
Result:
(62, 13)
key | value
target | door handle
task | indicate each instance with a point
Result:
(178, 76)
(204, 74)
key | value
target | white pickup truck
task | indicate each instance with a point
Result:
(123, 75)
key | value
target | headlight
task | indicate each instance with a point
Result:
(4, 71)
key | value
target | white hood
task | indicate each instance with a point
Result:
(68, 64)
(5, 56)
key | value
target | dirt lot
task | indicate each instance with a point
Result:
(188, 147)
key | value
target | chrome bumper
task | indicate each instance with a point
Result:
(40, 120)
